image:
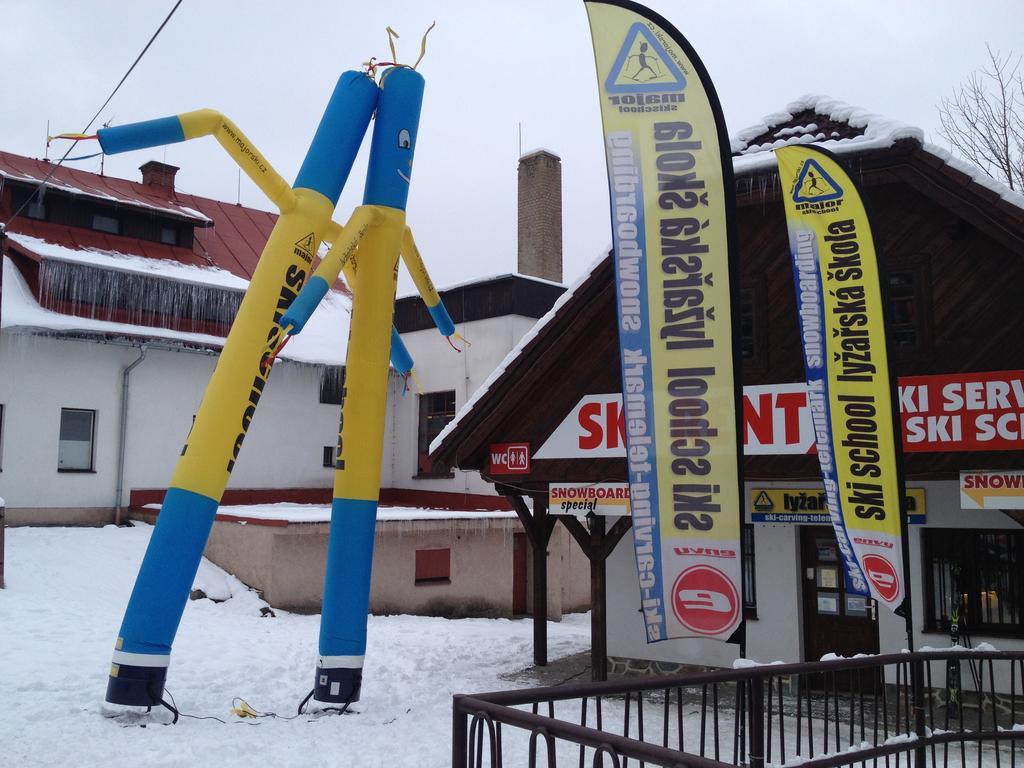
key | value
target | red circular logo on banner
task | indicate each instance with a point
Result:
(705, 601)
(883, 576)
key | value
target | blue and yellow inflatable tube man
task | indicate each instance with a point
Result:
(361, 433)
(366, 250)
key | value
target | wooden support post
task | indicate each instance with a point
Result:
(540, 584)
(598, 603)
(597, 544)
(538, 527)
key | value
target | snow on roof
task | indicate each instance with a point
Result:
(225, 235)
(21, 310)
(517, 350)
(325, 336)
(323, 340)
(61, 184)
(977, 175)
(321, 513)
(125, 262)
(537, 151)
(871, 131)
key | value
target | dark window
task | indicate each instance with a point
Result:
(981, 571)
(749, 581)
(904, 305)
(433, 566)
(328, 455)
(436, 410)
(29, 202)
(332, 385)
(168, 235)
(74, 452)
(103, 223)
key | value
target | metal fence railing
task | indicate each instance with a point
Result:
(933, 709)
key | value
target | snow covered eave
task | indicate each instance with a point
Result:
(764, 161)
(126, 262)
(845, 129)
(322, 342)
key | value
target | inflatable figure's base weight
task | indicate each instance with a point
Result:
(137, 686)
(339, 685)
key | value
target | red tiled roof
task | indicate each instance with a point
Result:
(232, 239)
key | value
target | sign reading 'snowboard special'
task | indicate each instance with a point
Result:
(842, 330)
(671, 188)
(582, 499)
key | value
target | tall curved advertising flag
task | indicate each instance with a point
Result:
(676, 274)
(850, 393)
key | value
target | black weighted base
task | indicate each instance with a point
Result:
(338, 686)
(137, 686)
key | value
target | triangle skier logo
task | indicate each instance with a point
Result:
(306, 243)
(814, 185)
(763, 503)
(643, 66)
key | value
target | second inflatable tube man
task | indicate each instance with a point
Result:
(361, 432)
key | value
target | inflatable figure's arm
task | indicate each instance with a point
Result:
(344, 242)
(418, 270)
(191, 125)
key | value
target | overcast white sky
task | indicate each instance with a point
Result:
(490, 66)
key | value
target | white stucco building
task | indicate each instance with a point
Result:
(116, 298)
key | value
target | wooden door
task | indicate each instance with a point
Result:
(519, 548)
(834, 622)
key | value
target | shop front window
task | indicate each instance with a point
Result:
(979, 571)
(749, 582)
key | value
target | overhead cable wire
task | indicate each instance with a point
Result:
(93, 120)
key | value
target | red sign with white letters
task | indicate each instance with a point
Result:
(963, 412)
(957, 412)
(510, 459)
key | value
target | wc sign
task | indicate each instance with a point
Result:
(509, 459)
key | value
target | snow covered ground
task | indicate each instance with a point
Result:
(67, 589)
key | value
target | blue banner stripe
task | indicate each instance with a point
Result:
(811, 313)
(630, 244)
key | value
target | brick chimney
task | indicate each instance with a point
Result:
(540, 215)
(156, 174)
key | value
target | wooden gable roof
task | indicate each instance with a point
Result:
(963, 237)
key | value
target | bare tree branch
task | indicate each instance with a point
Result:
(983, 120)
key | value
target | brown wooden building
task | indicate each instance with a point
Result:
(952, 250)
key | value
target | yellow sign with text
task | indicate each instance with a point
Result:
(808, 505)
(670, 182)
(849, 391)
